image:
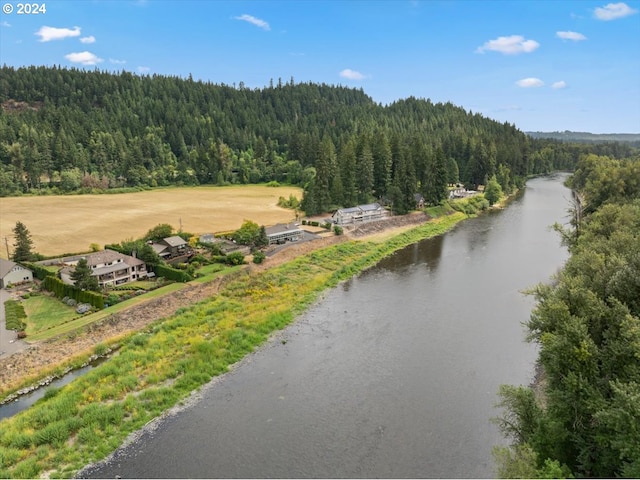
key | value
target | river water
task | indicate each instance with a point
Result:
(392, 374)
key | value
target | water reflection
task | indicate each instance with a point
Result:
(392, 376)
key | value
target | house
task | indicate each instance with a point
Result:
(419, 199)
(108, 266)
(12, 273)
(281, 233)
(461, 192)
(172, 248)
(361, 213)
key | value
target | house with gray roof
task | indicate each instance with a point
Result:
(12, 273)
(111, 268)
(171, 248)
(360, 213)
(281, 233)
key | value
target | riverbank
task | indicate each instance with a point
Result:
(163, 364)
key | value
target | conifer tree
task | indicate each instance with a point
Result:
(23, 244)
(82, 278)
(262, 240)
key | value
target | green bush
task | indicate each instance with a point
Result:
(62, 290)
(337, 229)
(172, 273)
(39, 271)
(235, 258)
(14, 313)
(258, 257)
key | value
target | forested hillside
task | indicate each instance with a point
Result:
(65, 130)
(584, 419)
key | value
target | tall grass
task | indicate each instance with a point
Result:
(87, 419)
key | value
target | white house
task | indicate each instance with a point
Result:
(361, 213)
(12, 273)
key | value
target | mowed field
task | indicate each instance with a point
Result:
(70, 223)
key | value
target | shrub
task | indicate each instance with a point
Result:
(172, 273)
(83, 308)
(14, 314)
(101, 349)
(72, 294)
(112, 299)
(200, 259)
(337, 229)
(235, 258)
(258, 257)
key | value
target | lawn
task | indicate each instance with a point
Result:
(56, 324)
(70, 223)
(44, 312)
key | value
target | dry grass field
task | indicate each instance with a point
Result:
(70, 223)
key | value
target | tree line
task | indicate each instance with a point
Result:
(68, 130)
(583, 418)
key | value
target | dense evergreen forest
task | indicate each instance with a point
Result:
(68, 130)
(583, 419)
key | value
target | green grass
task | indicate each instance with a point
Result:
(438, 210)
(211, 269)
(45, 312)
(84, 320)
(87, 419)
(215, 270)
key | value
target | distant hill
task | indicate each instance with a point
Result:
(586, 137)
(69, 130)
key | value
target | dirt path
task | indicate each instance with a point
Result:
(32, 360)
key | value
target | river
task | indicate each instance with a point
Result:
(392, 374)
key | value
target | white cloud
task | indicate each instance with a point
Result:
(89, 39)
(5, 24)
(530, 82)
(142, 69)
(571, 36)
(254, 21)
(83, 58)
(351, 74)
(47, 34)
(559, 85)
(611, 11)
(117, 62)
(511, 45)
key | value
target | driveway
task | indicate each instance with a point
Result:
(8, 342)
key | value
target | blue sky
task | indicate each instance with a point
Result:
(542, 65)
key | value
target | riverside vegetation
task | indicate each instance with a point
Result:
(582, 418)
(155, 369)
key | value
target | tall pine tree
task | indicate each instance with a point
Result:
(23, 244)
